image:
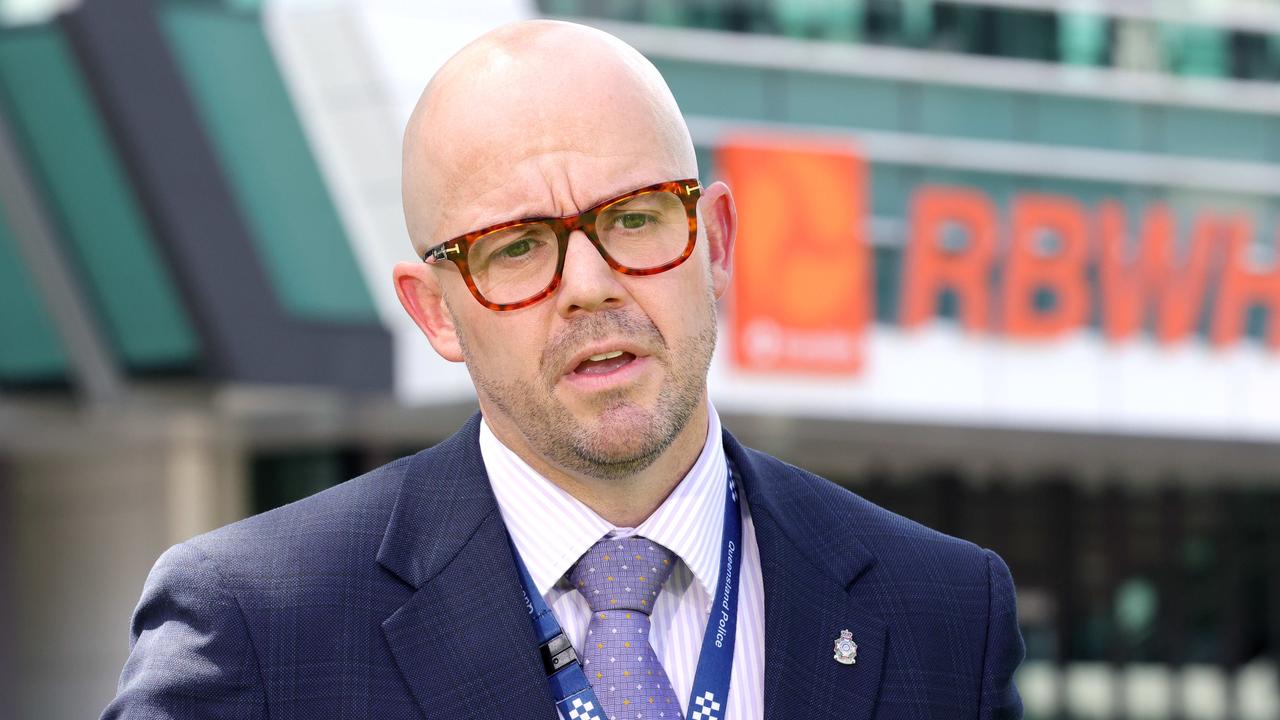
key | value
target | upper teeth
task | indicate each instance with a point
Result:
(605, 356)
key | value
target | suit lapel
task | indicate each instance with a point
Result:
(464, 645)
(810, 564)
(463, 641)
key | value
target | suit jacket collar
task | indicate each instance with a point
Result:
(810, 560)
(814, 528)
(465, 646)
(444, 497)
(437, 512)
(463, 641)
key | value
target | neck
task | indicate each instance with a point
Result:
(624, 502)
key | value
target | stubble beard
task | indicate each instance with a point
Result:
(625, 437)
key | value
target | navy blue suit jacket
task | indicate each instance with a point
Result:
(395, 595)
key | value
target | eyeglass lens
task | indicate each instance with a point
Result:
(640, 232)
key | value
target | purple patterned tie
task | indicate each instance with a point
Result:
(621, 579)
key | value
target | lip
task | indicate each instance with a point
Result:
(599, 348)
(605, 381)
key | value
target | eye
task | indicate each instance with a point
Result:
(633, 220)
(523, 246)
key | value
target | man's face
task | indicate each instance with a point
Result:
(602, 375)
(553, 370)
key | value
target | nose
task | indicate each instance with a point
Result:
(588, 283)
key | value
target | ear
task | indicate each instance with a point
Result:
(419, 290)
(719, 218)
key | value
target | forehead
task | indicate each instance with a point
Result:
(554, 172)
(524, 139)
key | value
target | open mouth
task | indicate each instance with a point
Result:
(604, 363)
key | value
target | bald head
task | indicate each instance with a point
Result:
(536, 118)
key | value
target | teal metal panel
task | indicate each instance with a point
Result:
(706, 158)
(1000, 188)
(1088, 193)
(968, 112)
(718, 90)
(1058, 120)
(92, 202)
(888, 282)
(29, 348)
(811, 98)
(842, 101)
(891, 187)
(226, 61)
(1187, 203)
(1217, 134)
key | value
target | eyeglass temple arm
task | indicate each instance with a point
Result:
(441, 252)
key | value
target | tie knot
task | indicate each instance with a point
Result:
(622, 574)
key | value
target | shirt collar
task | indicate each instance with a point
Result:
(551, 529)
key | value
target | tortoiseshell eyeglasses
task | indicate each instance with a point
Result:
(517, 263)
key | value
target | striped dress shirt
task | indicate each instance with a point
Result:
(551, 529)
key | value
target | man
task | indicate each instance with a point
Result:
(595, 494)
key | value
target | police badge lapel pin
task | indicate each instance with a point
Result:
(846, 649)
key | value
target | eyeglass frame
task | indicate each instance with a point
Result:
(455, 250)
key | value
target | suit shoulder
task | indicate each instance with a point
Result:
(334, 523)
(824, 508)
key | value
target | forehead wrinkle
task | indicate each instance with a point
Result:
(550, 204)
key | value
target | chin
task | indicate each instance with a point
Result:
(613, 434)
(624, 430)
(624, 438)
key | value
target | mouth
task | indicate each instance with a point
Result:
(605, 366)
(604, 363)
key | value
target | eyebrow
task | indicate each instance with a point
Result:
(601, 199)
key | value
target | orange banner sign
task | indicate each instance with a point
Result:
(803, 287)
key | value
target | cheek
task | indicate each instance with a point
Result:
(505, 349)
(677, 302)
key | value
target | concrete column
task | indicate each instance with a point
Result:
(207, 483)
(8, 614)
(88, 521)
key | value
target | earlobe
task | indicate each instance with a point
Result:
(422, 296)
(719, 217)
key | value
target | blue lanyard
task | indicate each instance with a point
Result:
(569, 685)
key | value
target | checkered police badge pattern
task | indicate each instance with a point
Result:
(621, 579)
(583, 710)
(707, 707)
